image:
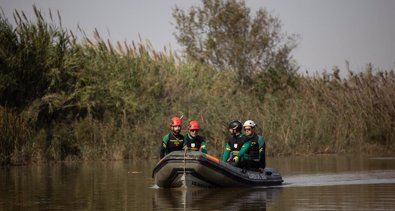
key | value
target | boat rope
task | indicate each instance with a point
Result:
(185, 166)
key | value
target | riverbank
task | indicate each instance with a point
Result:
(63, 99)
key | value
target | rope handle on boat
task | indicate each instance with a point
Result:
(185, 155)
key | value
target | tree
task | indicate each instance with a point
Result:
(222, 34)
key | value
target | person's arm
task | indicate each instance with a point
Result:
(244, 148)
(226, 153)
(203, 147)
(163, 147)
(262, 151)
(185, 142)
(261, 141)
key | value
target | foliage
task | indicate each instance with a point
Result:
(223, 35)
(32, 60)
(68, 100)
(14, 138)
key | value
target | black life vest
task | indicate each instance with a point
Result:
(175, 142)
(194, 143)
(253, 151)
(235, 143)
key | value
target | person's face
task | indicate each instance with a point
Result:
(232, 131)
(176, 129)
(194, 132)
(248, 131)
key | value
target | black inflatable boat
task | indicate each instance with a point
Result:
(191, 168)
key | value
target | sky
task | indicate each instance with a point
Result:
(330, 32)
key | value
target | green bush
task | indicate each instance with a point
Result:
(66, 100)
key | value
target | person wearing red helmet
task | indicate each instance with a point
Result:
(193, 140)
(172, 141)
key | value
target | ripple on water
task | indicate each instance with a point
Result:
(349, 178)
(382, 158)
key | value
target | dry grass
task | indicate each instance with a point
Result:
(95, 100)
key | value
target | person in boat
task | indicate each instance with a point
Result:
(172, 141)
(257, 147)
(235, 150)
(194, 141)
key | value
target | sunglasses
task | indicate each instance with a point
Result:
(247, 129)
(194, 130)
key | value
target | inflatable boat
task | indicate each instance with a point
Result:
(196, 169)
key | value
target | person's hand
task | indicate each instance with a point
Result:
(236, 159)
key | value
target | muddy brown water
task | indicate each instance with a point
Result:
(324, 182)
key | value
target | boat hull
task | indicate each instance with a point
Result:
(196, 169)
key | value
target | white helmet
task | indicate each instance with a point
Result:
(249, 123)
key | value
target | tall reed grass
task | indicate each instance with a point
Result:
(63, 99)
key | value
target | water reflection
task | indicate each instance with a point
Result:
(348, 178)
(323, 164)
(215, 199)
(322, 183)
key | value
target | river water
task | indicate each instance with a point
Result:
(321, 182)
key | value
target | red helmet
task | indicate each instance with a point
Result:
(175, 121)
(193, 125)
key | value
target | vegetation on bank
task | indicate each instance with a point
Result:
(61, 99)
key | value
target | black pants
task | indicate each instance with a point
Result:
(250, 164)
(254, 165)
